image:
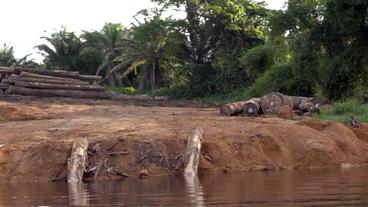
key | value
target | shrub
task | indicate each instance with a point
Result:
(280, 78)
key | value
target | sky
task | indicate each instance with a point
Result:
(23, 22)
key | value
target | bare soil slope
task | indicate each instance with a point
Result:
(36, 137)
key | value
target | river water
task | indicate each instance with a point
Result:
(332, 187)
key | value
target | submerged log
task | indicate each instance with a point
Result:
(252, 107)
(68, 86)
(33, 75)
(271, 103)
(54, 73)
(192, 154)
(57, 93)
(233, 109)
(78, 161)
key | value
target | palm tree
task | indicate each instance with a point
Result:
(144, 52)
(62, 50)
(109, 42)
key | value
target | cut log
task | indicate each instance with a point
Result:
(252, 107)
(307, 106)
(271, 103)
(6, 70)
(318, 101)
(33, 75)
(57, 93)
(68, 86)
(13, 78)
(78, 161)
(297, 100)
(90, 78)
(233, 109)
(54, 73)
(192, 154)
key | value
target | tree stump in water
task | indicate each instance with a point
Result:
(271, 103)
(252, 107)
(192, 153)
(78, 161)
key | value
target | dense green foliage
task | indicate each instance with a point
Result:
(7, 58)
(235, 47)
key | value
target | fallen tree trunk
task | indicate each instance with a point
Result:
(78, 161)
(57, 93)
(33, 75)
(252, 107)
(233, 109)
(54, 73)
(13, 78)
(192, 153)
(68, 86)
(271, 103)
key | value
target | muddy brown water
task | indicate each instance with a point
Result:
(332, 187)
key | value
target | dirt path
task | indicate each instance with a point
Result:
(36, 138)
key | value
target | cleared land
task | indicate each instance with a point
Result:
(36, 137)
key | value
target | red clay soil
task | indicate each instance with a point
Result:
(36, 137)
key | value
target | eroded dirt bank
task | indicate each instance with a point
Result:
(36, 137)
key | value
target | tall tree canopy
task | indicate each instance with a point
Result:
(62, 50)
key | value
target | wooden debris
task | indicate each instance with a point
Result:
(192, 153)
(208, 158)
(98, 168)
(78, 161)
(143, 173)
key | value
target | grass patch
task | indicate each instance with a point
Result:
(123, 90)
(342, 111)
(177, 93)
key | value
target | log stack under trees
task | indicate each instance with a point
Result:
(50, 83)
(274, 103)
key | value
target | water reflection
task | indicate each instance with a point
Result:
(332, 187)
(194, 190)
(78, 194)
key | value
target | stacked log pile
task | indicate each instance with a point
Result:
(274, 103)
(50, 83)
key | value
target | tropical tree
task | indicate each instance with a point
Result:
(107, 44)
(7, 56)
(62, 50)
(144, 52)
(217, 33)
